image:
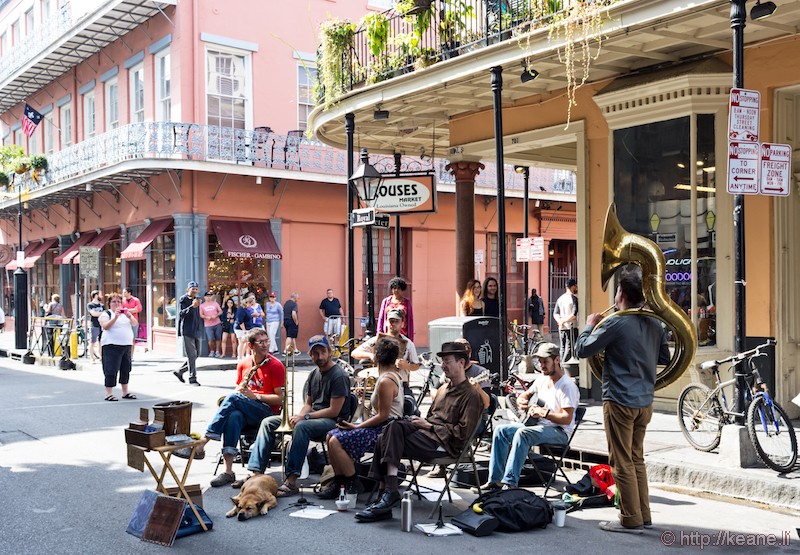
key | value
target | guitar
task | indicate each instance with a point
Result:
(528, 420)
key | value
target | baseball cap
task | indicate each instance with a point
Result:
(209, 294)
(318, 340)
(571, 282)
(453, 348)
(273, 294)
(547, 350)
(396, 313)
(192, 284)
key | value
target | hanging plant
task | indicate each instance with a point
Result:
(413, 7)
(4, 181)
(377, 28)
(39, 162)
(335, 62)
(579, 25)
(23, 164)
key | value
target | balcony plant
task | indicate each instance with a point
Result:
(4, 181)
(427, 57)
(453, 22)
(22, 165)
(38, 165)
(413, 7)
(335, 60)
(377, 29)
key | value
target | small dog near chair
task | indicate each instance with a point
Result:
(256, 497)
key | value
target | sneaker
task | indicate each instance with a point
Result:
(193, 381)
(613, 526)
(216, 354)
(439, 471)
(178, 374)
(296, 352)
(223, 480)
(648, 524)
(330, 492)
(489, 486)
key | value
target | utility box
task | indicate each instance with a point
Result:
(482, 332)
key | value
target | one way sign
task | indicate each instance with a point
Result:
(743, 167)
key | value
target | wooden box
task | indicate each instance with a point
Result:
(145, 439)
(194, 491)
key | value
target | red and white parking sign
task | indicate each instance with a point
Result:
(776, 162)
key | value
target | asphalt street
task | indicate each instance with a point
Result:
(68, 490)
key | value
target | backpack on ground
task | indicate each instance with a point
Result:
(516, 510)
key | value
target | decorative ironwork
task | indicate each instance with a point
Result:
(31, 45)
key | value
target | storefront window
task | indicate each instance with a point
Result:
(112, 267)
(164, 300)
(235, 277)
(652, 191)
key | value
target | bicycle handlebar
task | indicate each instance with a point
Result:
(707, 365)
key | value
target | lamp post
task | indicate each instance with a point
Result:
(20, 290)
(366, 179)
(526, 175)
(738, 21)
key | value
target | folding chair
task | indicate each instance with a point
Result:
(467, 454)
(556, 453)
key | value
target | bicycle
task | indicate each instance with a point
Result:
(511, 388)
(702, 412)
(521, 347)
(428, 361)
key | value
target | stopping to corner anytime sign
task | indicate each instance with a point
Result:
(743, 166)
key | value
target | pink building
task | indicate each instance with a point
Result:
(174, 135)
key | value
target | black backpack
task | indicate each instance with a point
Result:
(516, 510)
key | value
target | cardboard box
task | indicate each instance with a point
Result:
(148, 440)
(194, 491)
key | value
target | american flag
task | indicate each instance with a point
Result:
(30, 119)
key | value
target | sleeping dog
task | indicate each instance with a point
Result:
(256, 497)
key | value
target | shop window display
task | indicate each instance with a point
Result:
(234, 278)
(163, 280)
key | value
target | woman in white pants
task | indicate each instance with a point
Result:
(274, 317)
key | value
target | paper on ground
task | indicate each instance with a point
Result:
(312, 513)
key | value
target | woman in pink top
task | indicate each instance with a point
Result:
(397, 299)
(210, 312)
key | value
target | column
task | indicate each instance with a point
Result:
(200, 250)
(65, 276)
(465, 173)
(184, 259)
(275, 268)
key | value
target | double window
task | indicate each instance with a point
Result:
(65, 119)
(136, 88)
(112, 104)
(163, 86)
(306, 77)
(227, 89)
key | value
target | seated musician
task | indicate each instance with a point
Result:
(259, 394)
(407, 362)
(450, 423)
(348, 442)
(557, 398)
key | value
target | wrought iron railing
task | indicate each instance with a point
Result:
(31, 45)
(447, 28)
(257, 147)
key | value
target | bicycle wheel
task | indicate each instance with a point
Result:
(772, 434)
(700, 417)
(511, 405)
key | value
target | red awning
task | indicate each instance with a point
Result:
(12, 266)
(73, 250)
(99, 241)
(135, 251)
(37, 252)
(247, 239)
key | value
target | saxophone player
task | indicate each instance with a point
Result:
(259, 394)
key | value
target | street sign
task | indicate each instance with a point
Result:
(362, 216)
(743, 164)
(523, 249)
(90, 262)
(478, 256)
(537, 249)
(776, 165)
(745, 106)
(382, 220)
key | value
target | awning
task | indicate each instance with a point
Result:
(72, 251)
(37, 252)
(246, 239)
(135, 251)
(98, 241)
(12, 266)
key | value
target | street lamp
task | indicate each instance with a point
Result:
(366, 179)
(526, 174)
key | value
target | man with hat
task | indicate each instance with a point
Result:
(190, 327)
(552, 399)
(452, 419)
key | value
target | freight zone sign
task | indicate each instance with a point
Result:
(776, 162)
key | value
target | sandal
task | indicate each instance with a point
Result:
(111, 398)
(129, 396)
(286, 490)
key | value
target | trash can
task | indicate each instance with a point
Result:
(482, 332)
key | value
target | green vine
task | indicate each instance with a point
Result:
(335, 64)
(377, 28)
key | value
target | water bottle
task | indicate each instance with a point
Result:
(405, 513)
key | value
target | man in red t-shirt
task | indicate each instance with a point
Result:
(134, 307)
(258, 395)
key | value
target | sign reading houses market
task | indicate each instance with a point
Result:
(406, 194)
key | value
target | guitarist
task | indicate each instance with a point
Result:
(259, 393)
(557, 397)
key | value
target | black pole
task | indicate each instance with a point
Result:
(370, 268)
(527, 176)
(497, 89)
(397, 242)
(738, 18)
(349, 128)
(20, 292)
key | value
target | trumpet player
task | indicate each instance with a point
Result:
(259, 394)
(633, 346)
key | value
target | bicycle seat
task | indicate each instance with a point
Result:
(709, 365)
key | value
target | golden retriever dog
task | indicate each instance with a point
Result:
(256, 497)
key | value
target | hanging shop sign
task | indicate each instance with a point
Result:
(406, 194)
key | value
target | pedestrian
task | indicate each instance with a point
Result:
(274, 318)
(633, 346)
(242, 324)
(397, 299)
(53, 310)
(116, 344)
(228, 332)
(491, 304)
(471, 303)
(256, 312)
(190, 327)
(210, 312)
(331, 311)
(95, 309)
(291, 323)
(566, 316)
(536, 311)
(134, 306)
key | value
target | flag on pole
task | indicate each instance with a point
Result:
(30, 119)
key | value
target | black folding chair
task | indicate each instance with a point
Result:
(555, 453)
(467, 455)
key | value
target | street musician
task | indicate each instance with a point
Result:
(259, 394)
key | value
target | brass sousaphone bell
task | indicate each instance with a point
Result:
(620, 248)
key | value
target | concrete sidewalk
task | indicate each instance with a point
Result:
(670, 459)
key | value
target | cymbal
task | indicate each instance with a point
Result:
(367, 373)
